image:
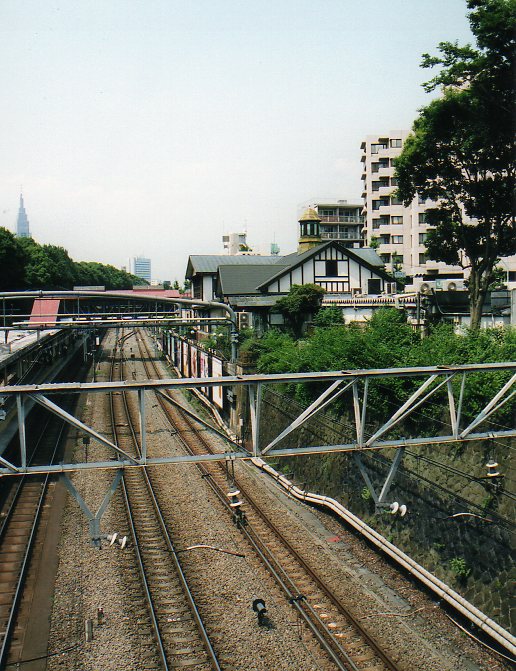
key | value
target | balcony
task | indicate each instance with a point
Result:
(341, 219)
(342, 235)
(385, 191)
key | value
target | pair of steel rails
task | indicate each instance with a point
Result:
(306, 613)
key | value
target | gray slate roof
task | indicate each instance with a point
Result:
(369, 255)
(209, 263)
(236, 280)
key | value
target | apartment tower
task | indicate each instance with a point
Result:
(400, 232)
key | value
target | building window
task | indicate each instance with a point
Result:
(396, 143)
(384, 163)
(397, 258)
(374, 286)
(422, 238)
(377, 204)
(422, 259)
(397, 239)
(396, 201)
(377, 185)
(332, 268)
(422, 217)
(396, 219)
(394, 181)
(327, 213)
(385, 258)
(197, 287)
(375, 167)
(375, 148)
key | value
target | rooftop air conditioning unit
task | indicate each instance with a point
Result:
(453, 285)
(244, 320)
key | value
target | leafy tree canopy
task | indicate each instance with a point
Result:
(12, 260)
(302, 301)
(27, 265)
(326, 317)
(387, 341)
(461, 151)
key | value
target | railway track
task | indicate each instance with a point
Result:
(343, 640)
(22, 518)
(179, 638)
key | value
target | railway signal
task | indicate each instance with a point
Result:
(261, 611)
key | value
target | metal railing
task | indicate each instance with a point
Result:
(341, 236)
(341, 219)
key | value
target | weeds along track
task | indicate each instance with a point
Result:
(179, 638)
(343, 640)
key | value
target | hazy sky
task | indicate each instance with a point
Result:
(153, 127)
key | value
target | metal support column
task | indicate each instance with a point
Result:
(380, 499)
(93, 518)
(255, 401)
(391, 474)
(20, 403)
(358, 460)
(143, 439)
(451, 405)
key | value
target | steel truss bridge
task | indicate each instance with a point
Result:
(354, 384)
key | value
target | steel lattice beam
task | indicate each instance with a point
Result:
(355, 383)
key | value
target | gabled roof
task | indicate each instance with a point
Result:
(209, 263)
(366, 257)
(369, 256)
(241, 280)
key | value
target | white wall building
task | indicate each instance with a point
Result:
(401, 231)
(235, 243)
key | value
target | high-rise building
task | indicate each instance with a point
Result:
(400, 232)
(22, 223)
(141, 267)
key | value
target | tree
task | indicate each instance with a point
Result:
(63, 268)
(461, 151)
(12, 262)
(302, 301)
(38, 267)
(327, 317)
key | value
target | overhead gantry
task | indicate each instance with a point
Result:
(355, 383)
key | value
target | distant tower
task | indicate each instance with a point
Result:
(309, 231)
(22, 224)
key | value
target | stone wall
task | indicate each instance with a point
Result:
(472, 554)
